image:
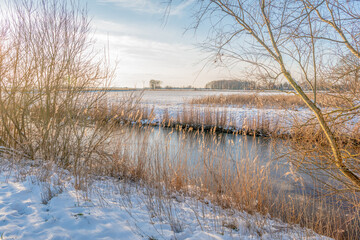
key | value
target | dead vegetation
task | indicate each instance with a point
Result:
(271, 100)
(225, 179)
(46, 115)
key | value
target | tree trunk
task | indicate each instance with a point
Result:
(324, 126)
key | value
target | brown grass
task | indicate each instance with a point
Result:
(218, 120)
(221, 119)
(129, 111)
(281, 100)
(213, 176)
(250, 187)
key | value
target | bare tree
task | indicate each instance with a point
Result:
(288, 40)
(154, 84)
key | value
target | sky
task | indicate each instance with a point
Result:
(147, 45)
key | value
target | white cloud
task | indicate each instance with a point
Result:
(145, 50)
(151, 52)
(146, 31)
(151, 6)
(145, 6)
(142, 59)
(178, 9)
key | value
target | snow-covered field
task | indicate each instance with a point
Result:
(174, 102)
(31, 209)
(171, 98)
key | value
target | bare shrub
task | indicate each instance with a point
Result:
(47, 63)
(49, 192)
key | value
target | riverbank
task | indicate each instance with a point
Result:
(184, 162)
(34, 208)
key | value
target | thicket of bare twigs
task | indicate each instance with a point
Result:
(47, 59)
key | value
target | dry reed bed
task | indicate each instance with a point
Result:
(285, 125)
(223, 179)
(206, 119)
(280, 100)
(221, 120)
(313, 213)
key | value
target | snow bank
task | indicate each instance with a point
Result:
(30, 209)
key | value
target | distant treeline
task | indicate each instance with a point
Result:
(322, 85)
(245, 85)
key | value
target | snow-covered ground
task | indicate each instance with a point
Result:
(111, 209)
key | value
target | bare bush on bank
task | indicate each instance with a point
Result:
(47, 60)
